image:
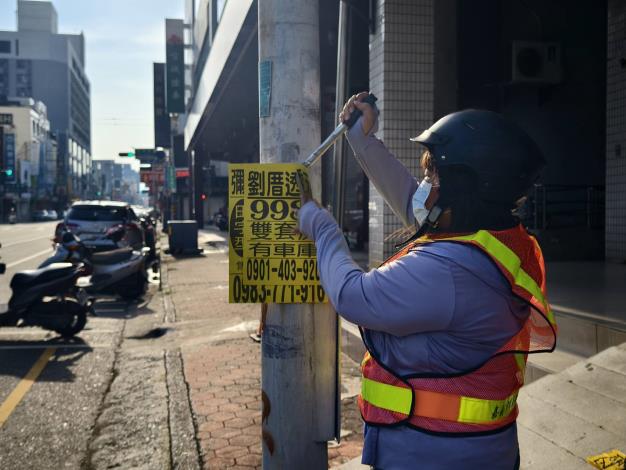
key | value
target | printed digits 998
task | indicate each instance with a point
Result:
(276, 210)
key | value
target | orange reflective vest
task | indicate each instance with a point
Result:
(482, 400)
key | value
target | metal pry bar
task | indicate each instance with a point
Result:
(337, 133)
(324, 146)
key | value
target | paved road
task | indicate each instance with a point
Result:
(24, 246)
(49, 425)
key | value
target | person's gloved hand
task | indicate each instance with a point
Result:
(306, 197)
(369, 113)
(307, 219)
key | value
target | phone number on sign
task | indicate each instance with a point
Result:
(266, 293)
(280, 271)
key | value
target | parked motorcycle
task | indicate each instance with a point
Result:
(67, 251)
(45, 298)
(120, 271)
(12, 216)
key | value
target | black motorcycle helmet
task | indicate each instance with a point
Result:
(504, 159)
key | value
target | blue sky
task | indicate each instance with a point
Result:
(123, 38)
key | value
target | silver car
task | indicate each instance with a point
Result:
(90, 220)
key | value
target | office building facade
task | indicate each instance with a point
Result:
(38, 62)
(30, 176)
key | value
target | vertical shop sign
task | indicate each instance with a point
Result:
(9, 158)
(161, 118)
(175, 66)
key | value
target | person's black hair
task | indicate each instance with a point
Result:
(459, 192)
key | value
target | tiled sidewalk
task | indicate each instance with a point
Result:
(225, 389)
(223, 368)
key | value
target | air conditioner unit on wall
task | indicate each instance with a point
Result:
(536, 62)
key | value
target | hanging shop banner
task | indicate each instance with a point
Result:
(161, 118)
(9, 158)
(170, 177)
(268, 262)
(175, 65)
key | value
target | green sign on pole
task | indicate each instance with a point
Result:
(171, 178)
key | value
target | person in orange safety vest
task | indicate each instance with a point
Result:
(449, 320)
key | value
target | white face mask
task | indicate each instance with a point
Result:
(419, 201)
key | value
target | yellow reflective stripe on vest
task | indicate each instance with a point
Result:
(479, 411)
(471, 410)
(511, 262)
(521, 362)
(366, 358)
(388, 397)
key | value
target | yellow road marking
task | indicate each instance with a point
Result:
(18, 393)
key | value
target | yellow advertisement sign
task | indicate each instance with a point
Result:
(268, 262)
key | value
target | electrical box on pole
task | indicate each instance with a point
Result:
(299, 346)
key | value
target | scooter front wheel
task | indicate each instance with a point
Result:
(77, 314)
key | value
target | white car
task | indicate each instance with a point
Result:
(91, 220)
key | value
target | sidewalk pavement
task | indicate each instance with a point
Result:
(575, 414)
(222, 367)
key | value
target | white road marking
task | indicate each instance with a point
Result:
(25, 241)
(28, 258)
(56, 346)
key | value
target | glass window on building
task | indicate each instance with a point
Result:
(5, 47)
(23, 78)
(4, 77)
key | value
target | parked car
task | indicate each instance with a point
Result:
(141, 211)
(90, 220)
(39, 216)
(43, 215)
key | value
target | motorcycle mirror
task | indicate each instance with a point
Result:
(67, 237)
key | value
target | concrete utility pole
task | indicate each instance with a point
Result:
(299, 341)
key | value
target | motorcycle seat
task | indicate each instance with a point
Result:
(53, 271)
(112, 257)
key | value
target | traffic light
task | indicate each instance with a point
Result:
(126, 154)
(203, 196)
(8, 172)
